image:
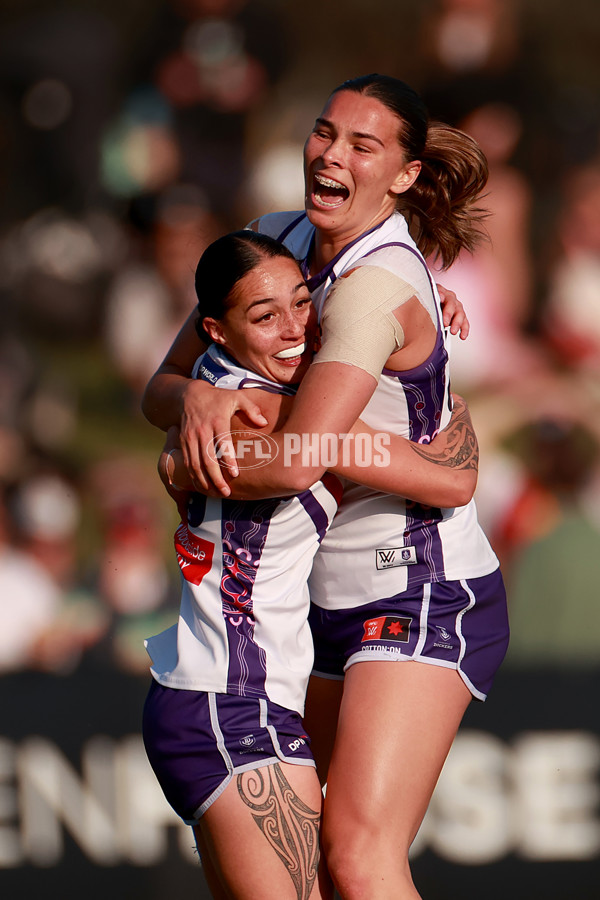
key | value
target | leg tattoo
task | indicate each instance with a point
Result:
(291, 827)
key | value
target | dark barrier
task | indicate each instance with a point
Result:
(515, 813)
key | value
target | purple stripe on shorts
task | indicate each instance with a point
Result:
(484, 629)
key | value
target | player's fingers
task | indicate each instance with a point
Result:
(202, 477)
(216, 455)
(454, 316)
(465, 329)
(251, 410)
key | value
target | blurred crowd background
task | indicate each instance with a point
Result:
(132, 133)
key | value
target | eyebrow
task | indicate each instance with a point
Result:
(357, 134)
(298, 287)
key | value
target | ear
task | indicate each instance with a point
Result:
(406, 177)
(214, 329)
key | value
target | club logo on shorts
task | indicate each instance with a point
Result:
(390, 557)
(445, 637)
(248, 740)
(387, 628)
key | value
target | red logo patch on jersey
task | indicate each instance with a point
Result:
(194, 554)
(387, 628)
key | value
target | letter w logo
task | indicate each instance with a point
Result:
(386, 556)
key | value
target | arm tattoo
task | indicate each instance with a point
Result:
(291, 827)
(456, 446)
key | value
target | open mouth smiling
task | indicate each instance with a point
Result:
(327, 192)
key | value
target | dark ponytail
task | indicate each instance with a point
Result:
(223, 264)
(441, 207)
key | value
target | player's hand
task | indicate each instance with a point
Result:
(205, 434)
(453, 312)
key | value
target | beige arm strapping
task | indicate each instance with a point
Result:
(359, 326)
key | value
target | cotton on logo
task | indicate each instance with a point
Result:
(251, 449)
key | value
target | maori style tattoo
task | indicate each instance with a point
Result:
(291, 827)
(459, 449)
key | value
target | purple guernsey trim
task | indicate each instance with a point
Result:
(424, 390)
(425, 397)
(289, 390)
(438, 358)
(326, 271)
(244, 531)
(290, 227)
(216, 369)
(315, 511)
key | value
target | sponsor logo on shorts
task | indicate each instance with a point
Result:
(390, 557)
(248, 741)
(295, 745)
(379, 649)
(387, 628)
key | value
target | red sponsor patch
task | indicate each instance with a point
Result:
(387, 628)
(194, 554)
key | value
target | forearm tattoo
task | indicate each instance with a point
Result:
(291, 827)
(456, 446)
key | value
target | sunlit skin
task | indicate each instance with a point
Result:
(270, 314)
(354, 143)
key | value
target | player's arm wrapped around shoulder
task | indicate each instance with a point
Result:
(442, 473)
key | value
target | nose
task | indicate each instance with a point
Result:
(332, 153)
(294, 325)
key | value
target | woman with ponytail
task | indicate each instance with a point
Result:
(408, 607)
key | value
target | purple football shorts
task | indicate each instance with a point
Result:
(460, 625)
(197, 741)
